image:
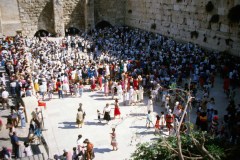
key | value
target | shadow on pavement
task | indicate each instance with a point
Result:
(137, 114)
(68, 125)
(103, 98)
(94, 123)
(138, 127)
(102, 150)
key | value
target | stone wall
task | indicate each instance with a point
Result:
(9, 17)
(36, 15)
(112, 11)
(179, 19)
(73, 13)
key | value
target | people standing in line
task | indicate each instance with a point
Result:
(106, 113)
(114, 140)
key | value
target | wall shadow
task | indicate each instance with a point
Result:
(46, 18)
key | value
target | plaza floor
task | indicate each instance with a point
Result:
(61, 131)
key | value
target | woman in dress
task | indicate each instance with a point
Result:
(157, 125)
(135, 96)
(114, 140)
(140, 94)
(106, 113)
(150, 104)
(162, 120)
(80, 89)
(21, 115)
(119, 91)
(65, 86)
(79, 119)
(106, 88)
(116, 109)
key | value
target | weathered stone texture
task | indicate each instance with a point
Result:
(179, 19)
(172, 18)
(73, 13)
(109, 10)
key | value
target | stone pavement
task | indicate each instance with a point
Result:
(130, 129)
(61, 130)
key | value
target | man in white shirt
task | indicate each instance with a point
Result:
(5, 95)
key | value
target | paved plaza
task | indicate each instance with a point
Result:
(61, 130)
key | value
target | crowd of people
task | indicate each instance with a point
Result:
(130, 65)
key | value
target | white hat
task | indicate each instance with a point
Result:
(170, 111)
(177, 103)
(21, 107)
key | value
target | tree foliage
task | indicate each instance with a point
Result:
(166, 148)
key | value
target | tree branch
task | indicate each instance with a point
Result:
(201, 148)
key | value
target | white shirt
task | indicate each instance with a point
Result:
(5, 94)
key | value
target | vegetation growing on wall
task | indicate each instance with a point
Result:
(234, 14)
(228, 41)
(153, 26)
(214, 18)
(209, 6)
(194, 34)
(129, 11)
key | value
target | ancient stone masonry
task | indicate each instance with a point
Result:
(178, 19)
(73, 13)
(36, 15)
(112, 11)
(204, 22)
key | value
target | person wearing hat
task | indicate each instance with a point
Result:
(21, 115)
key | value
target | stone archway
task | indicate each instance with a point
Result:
(103, 24)
(72, 31)
(41, 33)
(46, 18)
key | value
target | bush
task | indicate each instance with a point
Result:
(163, 148)
(234, 14)
(228, 41)
(194, 34)
(209, 6)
